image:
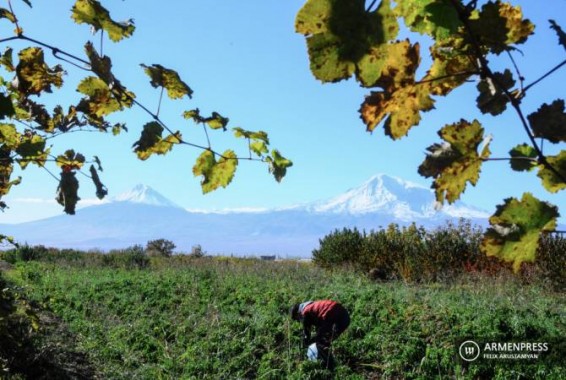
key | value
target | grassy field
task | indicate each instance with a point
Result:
(183, 318)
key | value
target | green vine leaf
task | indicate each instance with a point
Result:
(32, 150)
(168, 79)
(152, 142)
(214, 173)
(549, 122)
(550, 181)
(34, 76)
(278, 165)
(437, 18)
(456, 161)
(516, 227)
(559, 32)
(258, 141)
(492, 98)
(91, 12)
(343, 38)
(523, 158)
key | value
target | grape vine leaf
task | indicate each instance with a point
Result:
(456, 161)
(6, 170)
(168, 79)
(67, 192)
(450, 68)
(100, 101)
(152, 142)
(278, 164)
(215, 121)
(91, 12)
(31, 149)
(401, 100)
(498, 25)
(7, 61)
(102, 67)
(9, 136)
(70, 160)
(101, 190)
(523, 158)
(215, 173)
(344, 39)
(550, 180)
(492, 98)
(559, 32)
(258, 141)
(6, 107)
(549, 122)
(34, 76)
(516, 227)
(4, 13)
(437, 18)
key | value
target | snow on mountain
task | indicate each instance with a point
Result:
(404, 200)
(144, 194)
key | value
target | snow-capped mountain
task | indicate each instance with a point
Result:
(144, 194)
(384, 194)
(143, 214)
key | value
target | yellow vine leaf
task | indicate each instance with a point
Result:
(456, 161)
(91, 12)
(34, 76)
(498, 25)
(168, 79)
(401, 100)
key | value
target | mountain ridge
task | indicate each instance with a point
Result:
(143, 214)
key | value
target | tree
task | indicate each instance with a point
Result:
(160, 247)
(27, 125)
(356, 39)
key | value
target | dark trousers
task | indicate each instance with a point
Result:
(336, 322)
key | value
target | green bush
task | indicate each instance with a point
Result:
(443, 254)
(133, 257)
(340, 247)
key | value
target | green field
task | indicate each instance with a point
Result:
(185, 318)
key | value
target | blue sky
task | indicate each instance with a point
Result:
(244, 60)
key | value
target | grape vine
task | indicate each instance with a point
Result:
(350, 39)
(26, 124)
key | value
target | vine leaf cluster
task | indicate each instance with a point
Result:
(26, 125)
(352, 40)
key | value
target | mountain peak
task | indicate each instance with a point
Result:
(144, 194)
(392, 195)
